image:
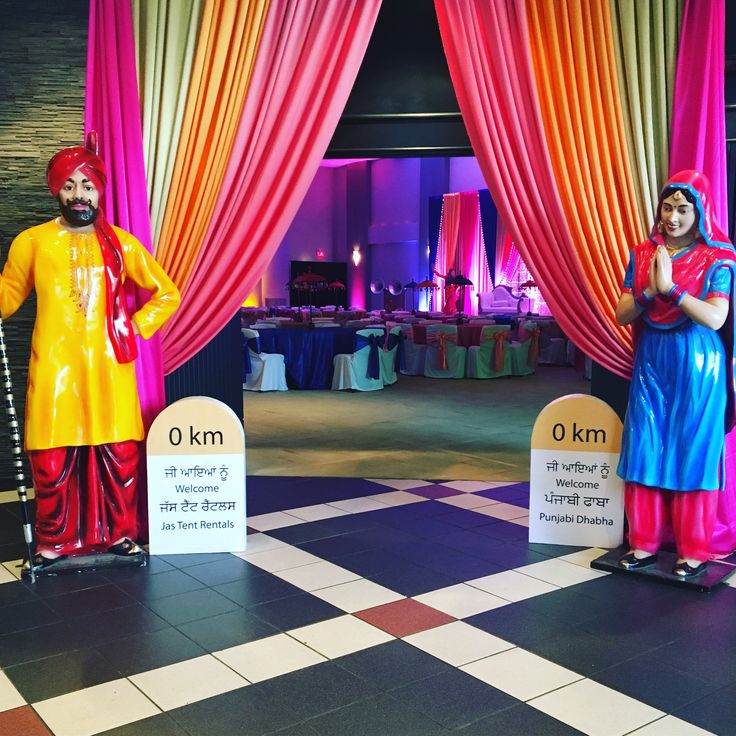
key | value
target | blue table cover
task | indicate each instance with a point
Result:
(308, 352)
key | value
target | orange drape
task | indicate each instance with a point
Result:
(228, 43)
(573, 57)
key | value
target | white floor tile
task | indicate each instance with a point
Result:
(671, 726)
(13, 567)
(276, 520)
(397, 498)
(458, 643)
(505, 511)
(461, 600)
(316, 576)
(94, 709)
(281, 558)
(401, 484)
(468, 501)
(187, 682)
(559, 572)
(584, 556)
(340, 636)
(473, 486)
(316, 513)
(266, 658)
(6, 576)
(358, 505)
(521, 674)
(357, 595)
(9, 697)
(595, 709)
(512, 586)
(256, 543)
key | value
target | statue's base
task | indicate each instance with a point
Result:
(85, 563)
(661, 571)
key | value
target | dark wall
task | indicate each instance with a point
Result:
(43, 56)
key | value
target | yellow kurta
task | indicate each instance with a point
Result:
(78, 394)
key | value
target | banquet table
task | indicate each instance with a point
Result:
(308, 352)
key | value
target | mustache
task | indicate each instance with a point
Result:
(79, 200)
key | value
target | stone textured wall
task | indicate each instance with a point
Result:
(43, 49)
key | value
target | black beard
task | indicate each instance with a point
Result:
(78, 218)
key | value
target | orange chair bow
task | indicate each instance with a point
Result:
(441, 339)
(497, 360)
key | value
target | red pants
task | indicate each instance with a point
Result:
(86, 497)
(691, 513)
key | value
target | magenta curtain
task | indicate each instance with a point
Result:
(698, 139)
(309, 55)
(699, 142)
(487, 49)
(112, 110)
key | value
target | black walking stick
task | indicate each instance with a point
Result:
(17, 452)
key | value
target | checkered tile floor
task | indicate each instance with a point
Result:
(372, 607)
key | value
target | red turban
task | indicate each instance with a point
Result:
(67, 161)
(61, 166)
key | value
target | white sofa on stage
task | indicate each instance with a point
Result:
(501, 301)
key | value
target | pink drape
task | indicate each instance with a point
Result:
(698, 141)
(487, 49)
(461, 243)
(309, 55)
(112, 110)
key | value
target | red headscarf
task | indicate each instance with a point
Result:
(85, 159)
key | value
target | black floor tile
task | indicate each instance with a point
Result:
(715, 713)
(45, 641)
(295, 611)
(108, 626)
(655, 684)
(149, 651)
(410, 579)
(391, 665)
(467, 519)
(368, 563)
(454, 699)
(88, 601)
(338, 546)
(247, 711)
(520, 720)
(182, 561)
(160, 725)
(16, 592)
(504, 531)
(48, 586)
(28, 615)
(146, 587)
(315, 690)
(299, 533)
(226, 630)
(249, 592)
(196, 604)
(61, 674)
(517, 624)
(224, 571)
(379, 716)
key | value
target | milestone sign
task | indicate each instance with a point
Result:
(196, 478)
(575, 495)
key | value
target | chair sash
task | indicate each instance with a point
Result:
(397, 341)
(497, 360)
(374, 362)
(533, 347)
(253, 343)
(441, 338)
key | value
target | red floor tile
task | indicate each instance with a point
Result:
(404, 617)
(22, 721)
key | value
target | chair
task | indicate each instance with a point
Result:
(525, 353)
(361, 370)
(490, 359)
(444, 357)
(414, 354)
(392, 356)
(261, 371)
(264, 325)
